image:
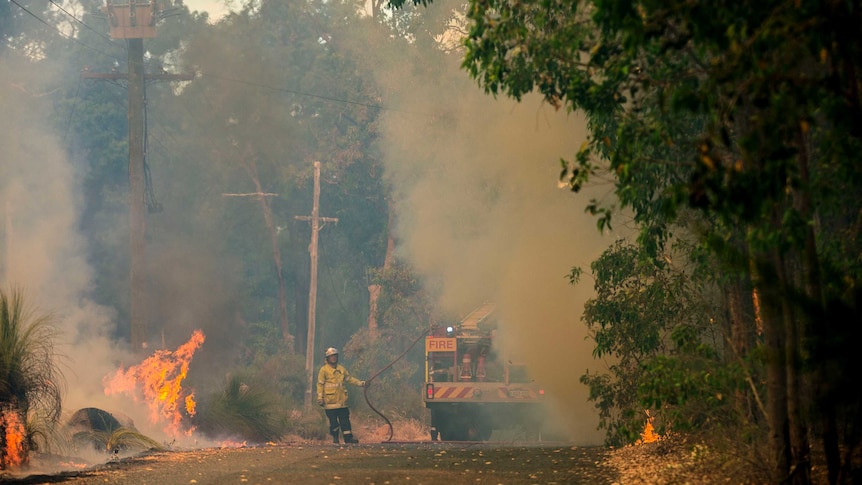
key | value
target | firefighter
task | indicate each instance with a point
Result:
(332, 395)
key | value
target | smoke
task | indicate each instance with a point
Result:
(480, 212)
(43, 251)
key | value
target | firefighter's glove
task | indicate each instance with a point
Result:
(320, 402)
(364, 383)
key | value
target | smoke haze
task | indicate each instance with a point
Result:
(479, 211)
(44, 252)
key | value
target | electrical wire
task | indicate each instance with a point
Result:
(72, 111)
(55, 29)
(76, 19)
(379, 107)
(368, 382)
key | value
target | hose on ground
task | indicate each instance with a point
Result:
(368, 382)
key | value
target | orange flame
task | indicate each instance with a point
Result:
(160, 379)
(233, 444)
(648, 435)
(191, 404)
(15, 453)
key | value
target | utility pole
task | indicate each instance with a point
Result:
(135, 21)
(312, 287)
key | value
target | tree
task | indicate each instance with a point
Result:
(661, 325)
(30, 380)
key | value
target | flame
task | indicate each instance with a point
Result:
(160, 379)
(648, 435)
(233, 444)
(191, 404)
(758, 320)
(13, 428)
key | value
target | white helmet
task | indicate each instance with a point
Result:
(331, 351)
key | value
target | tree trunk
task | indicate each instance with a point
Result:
(776, 367)
(743, 328)
(824, 329)
(800, 465)
(266, 208)
(375, 289)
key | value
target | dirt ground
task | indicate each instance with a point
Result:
(665, 462)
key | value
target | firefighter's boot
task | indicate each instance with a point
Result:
(348, 438)
(335, 438)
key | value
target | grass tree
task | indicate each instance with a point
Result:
(30, 381)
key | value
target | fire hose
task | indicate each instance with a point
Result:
(368, 381)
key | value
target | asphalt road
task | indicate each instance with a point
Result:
(375, 463)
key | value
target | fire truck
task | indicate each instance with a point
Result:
(473, 388)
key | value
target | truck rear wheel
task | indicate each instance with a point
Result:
(461, 425)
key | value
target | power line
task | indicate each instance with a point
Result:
(299, 93)
(222, 78)
(317, 96)
(55, 29)
(72, 111)
(76, 19)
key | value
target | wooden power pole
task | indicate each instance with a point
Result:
(315, 219)
(135, 21)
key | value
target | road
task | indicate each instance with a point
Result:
(377, 463)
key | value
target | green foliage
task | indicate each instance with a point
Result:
(244, 409)
(30, 381)
(263, 354)
(649, 318)
(396, 391)
(405, 316)
(404, 302)
(120, 439)
(693, 393)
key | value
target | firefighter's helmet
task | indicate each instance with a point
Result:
(331, 351)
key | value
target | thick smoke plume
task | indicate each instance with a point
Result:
(480, 211)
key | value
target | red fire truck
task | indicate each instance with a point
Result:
(472, 388)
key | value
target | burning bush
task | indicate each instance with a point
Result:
(29, 379)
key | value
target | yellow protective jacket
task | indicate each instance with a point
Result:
(330, 386)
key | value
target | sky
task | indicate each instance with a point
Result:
(216, 8)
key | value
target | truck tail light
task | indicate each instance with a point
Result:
(429, 391)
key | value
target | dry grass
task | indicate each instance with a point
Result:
(313, 428)
(402, 430)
